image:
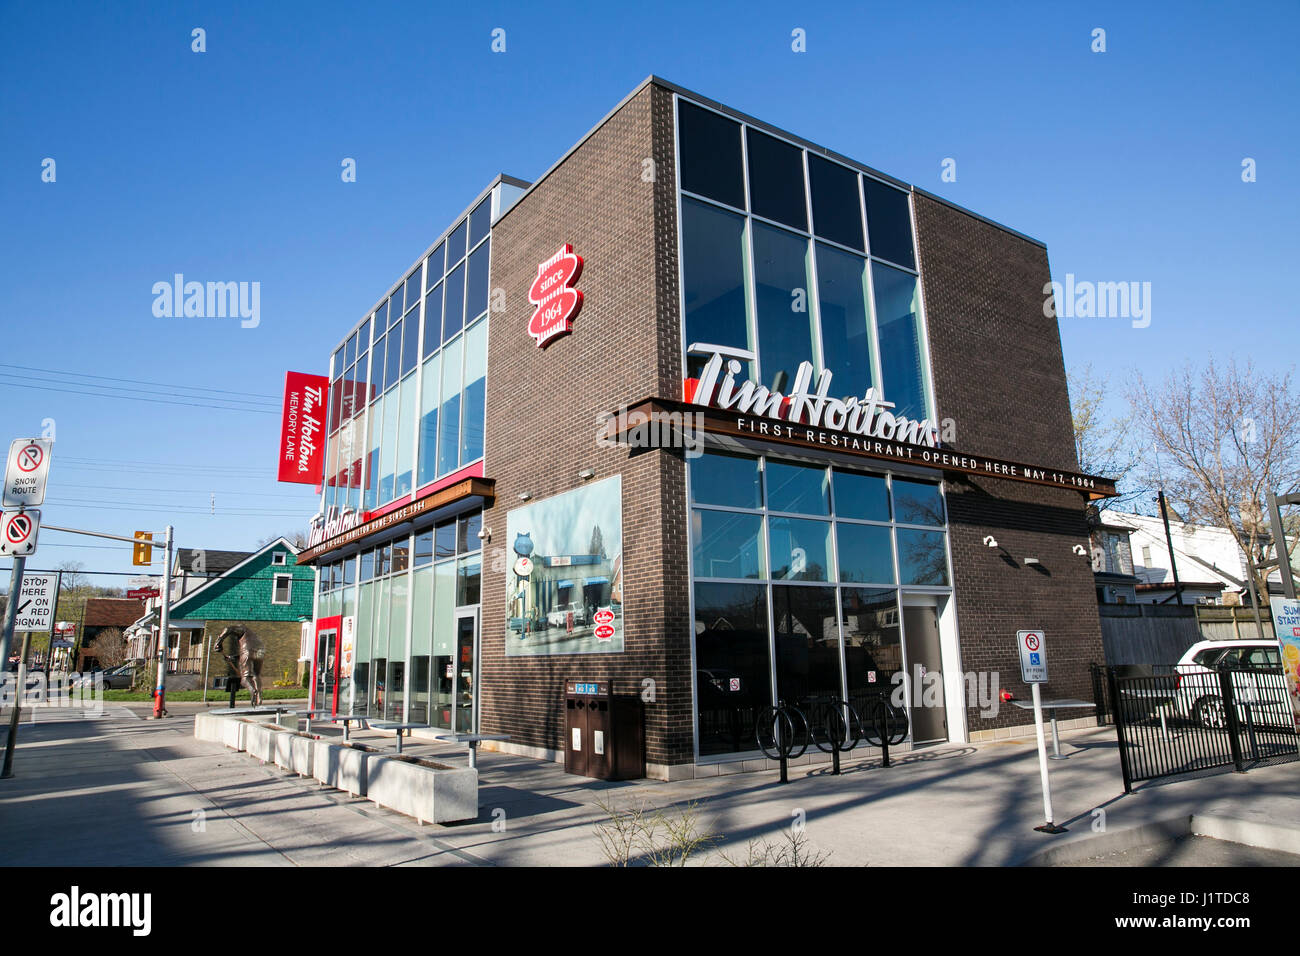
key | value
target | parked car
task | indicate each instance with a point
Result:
(1199, 695)
(559, 617)
(121, 677)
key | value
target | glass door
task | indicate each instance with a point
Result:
(326, 662)
(465, 684)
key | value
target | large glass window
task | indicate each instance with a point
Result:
(837, 215)
(807, 644)
(802, 489)
(733, 668)
(726, 480)
(832, 579)
(471, 430)
(430, 402)
(776, 180)
(433, 320)
(476, 283)
(713, 273)
(901, 359)
(922, 557)
(710, 155)
(453, 315)
(781, 293)
(801, 549)
(757, 291)
(728, 545)
(843, 297)
(449, 413)
(918, 502)
(889, 222)
(865, 553)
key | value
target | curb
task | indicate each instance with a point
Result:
(1267, 836)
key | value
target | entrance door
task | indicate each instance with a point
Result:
(323, 695)
(924, 667)
(463, 667)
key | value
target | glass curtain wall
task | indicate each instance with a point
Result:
(776, 260)
(797, 570)
(407, 386)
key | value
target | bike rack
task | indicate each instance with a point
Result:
(836, 727)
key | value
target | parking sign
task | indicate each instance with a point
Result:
(1033, 656)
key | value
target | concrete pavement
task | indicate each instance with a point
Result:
(122, 790)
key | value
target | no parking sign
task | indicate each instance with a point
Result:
(1033, 656)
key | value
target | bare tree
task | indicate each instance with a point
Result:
(1103, 442)
(296, 538)
(109, 648)
(1220, 439)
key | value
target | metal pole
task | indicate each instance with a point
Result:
(11, 610)
(1173, 563)
(12, 740)
(1049, 826)
(1279, 544)
(164, 620)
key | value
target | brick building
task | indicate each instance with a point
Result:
(720, 417)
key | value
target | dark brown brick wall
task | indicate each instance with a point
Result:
(999, 374)
(542, 407)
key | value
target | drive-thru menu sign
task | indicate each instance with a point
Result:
(27, 468)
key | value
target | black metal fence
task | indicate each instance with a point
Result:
(1171, 721)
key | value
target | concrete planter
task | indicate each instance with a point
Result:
(342, 766)
(325, 762)
(259, 741)
(354, 769)
(206, 727)
(430, 792)
(293, 752)
(233, 732)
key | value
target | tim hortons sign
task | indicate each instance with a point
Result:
(555, 300)
(868, 417)
(302, 424)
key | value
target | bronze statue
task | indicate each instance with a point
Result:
(247, 663)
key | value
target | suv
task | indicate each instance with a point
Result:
(1199, 695)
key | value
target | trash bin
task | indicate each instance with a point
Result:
(604, 734)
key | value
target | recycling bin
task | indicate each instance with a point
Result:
(604, 733)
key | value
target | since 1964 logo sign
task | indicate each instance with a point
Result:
(557, 302)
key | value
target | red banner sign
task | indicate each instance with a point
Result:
(302, 428)
(143, 593)
(557, 302)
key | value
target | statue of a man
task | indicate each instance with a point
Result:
(243, 651)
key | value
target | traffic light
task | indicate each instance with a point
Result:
(142, 553)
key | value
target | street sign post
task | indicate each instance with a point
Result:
(26, 469)
(1032, 645)
(18, 531)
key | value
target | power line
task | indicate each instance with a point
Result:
(136, 381)
(132, 398)
(118, 388)
(178, 491)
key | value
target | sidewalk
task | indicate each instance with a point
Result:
(121, 790)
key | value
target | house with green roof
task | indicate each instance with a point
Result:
(267, 592)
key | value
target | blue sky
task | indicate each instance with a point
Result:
(225, 166)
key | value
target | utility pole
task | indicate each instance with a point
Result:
(11, 609)
(164, 624)
(1169, 540)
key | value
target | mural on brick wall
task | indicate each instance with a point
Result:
(564, 583)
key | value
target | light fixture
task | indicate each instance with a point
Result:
(525, 495)
(990, 541)
(485, 534)
(1080, 550)
(587, 473)
(1031, 561)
